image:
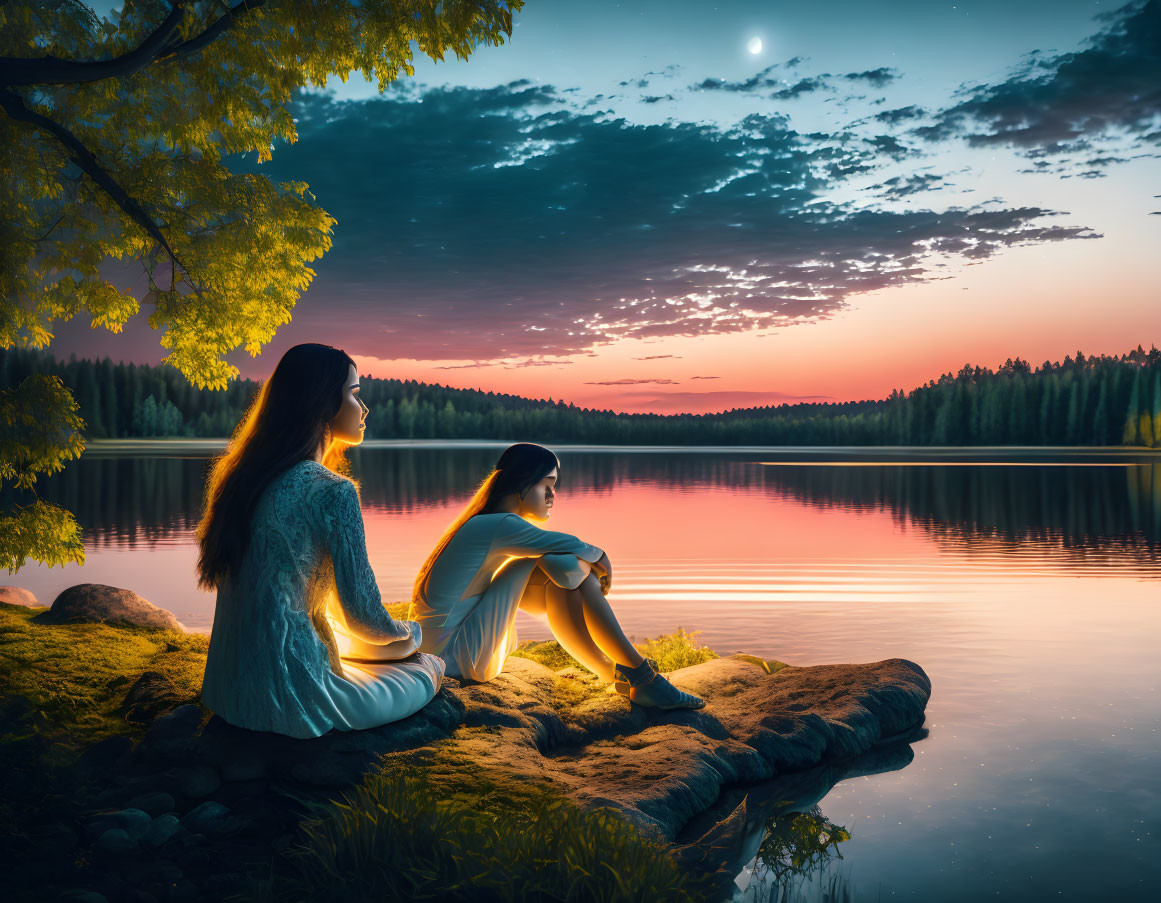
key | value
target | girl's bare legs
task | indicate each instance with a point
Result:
(603, 625)
(583, 623)
(566, 620)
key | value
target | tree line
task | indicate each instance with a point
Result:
(1094, 400)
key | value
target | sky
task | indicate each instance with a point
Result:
(627, 207)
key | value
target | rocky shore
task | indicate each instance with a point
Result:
(182, 806)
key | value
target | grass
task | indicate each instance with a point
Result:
(77, 674)
(74, 676)
(671, 651)
(394, 839)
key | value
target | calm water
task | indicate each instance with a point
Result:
(1027, 585)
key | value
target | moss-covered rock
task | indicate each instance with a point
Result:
(508, 780)
(78, 675)
(110, 604)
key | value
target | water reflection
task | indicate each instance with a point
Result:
(1024, 584)
(1086, 513)
(773, 843)
(1083, 513)
(798, 846)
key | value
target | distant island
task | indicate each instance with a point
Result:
(1097, 400)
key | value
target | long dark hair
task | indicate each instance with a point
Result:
(285, 423)
(521, 467)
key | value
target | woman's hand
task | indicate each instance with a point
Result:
(604, 571)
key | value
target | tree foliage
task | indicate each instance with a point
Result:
(114, 141)
(1079, 401)
(39, 431)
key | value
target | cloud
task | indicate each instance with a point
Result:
(703, 402)
(486, 225)
(656, 357)
(900, 114)
(1069, 103)
(633, 382)
(765, 80)
(800, 87)
(644, 81)
(536, 363)
(705, 377)
(903, 186)
(877, 78)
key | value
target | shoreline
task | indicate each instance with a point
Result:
(108, 447)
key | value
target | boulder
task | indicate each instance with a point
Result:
(115, 841)
(15, 595)
(162, 829)
(661, 770)
(172, 735)
(194, 781)
(156, 803)
(152, 695)
(97, 602)
(207, 818)
(706, 782)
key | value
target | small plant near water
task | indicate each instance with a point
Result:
(397, 837)
(671, 651)
(800, 845)
(676, 650)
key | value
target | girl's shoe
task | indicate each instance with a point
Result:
(644, 686)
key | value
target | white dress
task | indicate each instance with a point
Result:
(469, 606)
(274, 663)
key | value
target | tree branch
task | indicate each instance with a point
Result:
(159, 46)
(52, 70)
(225, 21)
(13, 105)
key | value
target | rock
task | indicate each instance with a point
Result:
(133, 821)
(156, 803)
(97, 825)
(703, 781)
(152, 695)
(247, 767)
(116, 841)
(83, 896)
(335, 770)
(194, 781)
(162, 829)
(184, 892)
(97, 602)
(15, 595)
(167, 872)
(104, 753)
(661, 769)
(172, 735)
(208, 818)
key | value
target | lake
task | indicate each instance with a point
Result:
(1026, 582)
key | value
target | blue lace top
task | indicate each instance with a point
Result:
(273, 661)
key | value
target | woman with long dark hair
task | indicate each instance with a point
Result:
(282, 542)
(493, 560)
